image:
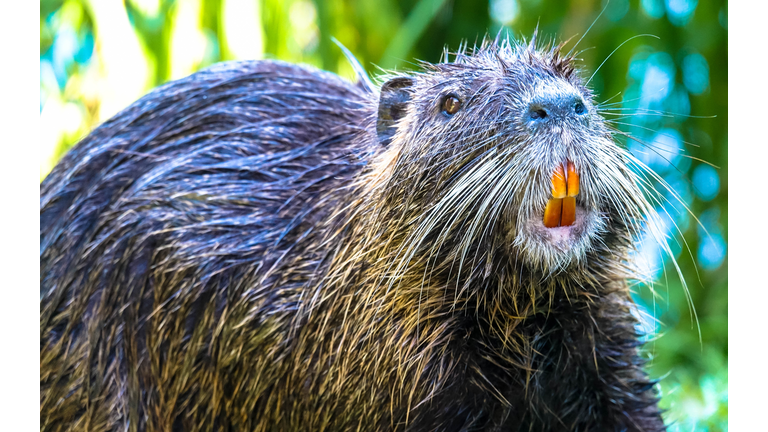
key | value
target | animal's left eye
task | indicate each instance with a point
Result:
(451, 104)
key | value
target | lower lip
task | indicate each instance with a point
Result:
(560, 234)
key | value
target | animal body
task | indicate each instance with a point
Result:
(267, 247)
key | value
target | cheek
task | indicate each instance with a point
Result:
(380, 170)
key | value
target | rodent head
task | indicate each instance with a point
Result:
(473, 148)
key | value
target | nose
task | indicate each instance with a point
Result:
(557, 106)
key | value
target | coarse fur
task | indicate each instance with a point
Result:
(263, 246)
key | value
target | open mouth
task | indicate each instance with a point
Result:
(561, 207)
(566, 228)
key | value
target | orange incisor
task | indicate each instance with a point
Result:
(561, 208)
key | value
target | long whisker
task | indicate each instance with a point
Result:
(639, 141)
(588, 29)
(614, 51)
(654, 131)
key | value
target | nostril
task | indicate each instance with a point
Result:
(538, 113)
(579, 108)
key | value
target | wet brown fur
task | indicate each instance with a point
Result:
(241, 250)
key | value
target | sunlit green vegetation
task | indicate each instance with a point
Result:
(96, 57)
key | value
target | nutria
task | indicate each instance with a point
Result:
(264, 246)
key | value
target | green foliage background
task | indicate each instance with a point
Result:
(96, 57)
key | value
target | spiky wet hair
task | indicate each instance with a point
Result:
(263, 246)
(439, 221)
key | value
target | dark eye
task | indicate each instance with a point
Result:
(451, 104)
(579, 108)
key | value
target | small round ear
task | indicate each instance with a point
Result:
(395, 95)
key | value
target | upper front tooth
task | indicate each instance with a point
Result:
(572, 180)
(558, 183)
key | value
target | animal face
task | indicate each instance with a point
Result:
(506, 143)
